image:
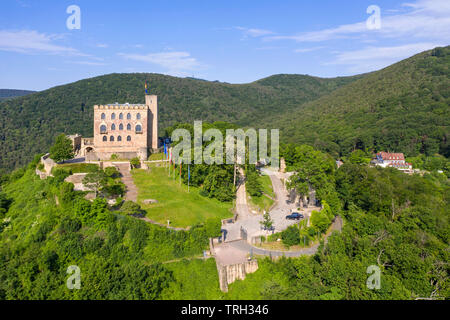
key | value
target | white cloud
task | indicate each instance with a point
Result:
(177, 62)
(374, 58)
(102, 45)
(425, 19)
(254, 33)
(30, 41)
(304, 50)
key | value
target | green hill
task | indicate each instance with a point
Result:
(29, 124)
(402, 108)
(13, 93)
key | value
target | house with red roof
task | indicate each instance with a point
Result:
(392, 160)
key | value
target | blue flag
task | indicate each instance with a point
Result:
(189, 173)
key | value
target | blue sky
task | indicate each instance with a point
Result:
(231, 41)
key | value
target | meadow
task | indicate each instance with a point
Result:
(175, 203)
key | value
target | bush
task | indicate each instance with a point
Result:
(69, 224)
(117, 189)
(320, 220)
(132, 208)
(213, 227)
(135, 162)
(291, 236)
(112, 172)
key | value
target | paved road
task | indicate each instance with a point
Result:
(251, 222)
(244, 246)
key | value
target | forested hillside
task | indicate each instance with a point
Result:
(402, 108)
(392, 220)
(29, 124)
(12, 93)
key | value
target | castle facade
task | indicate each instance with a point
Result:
(126, 130)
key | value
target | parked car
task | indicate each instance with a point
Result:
(295, 216)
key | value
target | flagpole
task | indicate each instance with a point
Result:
(189, 176)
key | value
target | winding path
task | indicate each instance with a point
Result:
(243, 245)
(234, 246)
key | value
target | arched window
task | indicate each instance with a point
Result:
(120, 116)
(129, 138)
(102, 128)
(105, 138)
(120, 126)
(138, 116)
(111, 138)
(129, 116)
(119, 138)
(113, 116)
(128, 126)
(113, 127)
(103, 116)
(138, 128)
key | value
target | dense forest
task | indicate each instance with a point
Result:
(392, 220)
(395, 221)
(12, 93)
(29, 124)
(402, 108)
(46, 226)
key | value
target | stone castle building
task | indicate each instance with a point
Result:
(126, 130)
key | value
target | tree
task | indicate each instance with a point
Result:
(132, 208)
(267, 222)
(135, 162)
(291, 236)
(320, 220)
(95, 180)
(62, 149)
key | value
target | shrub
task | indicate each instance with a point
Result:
(135, 162)
(112, 172)
(291, 236)
(320, 220)
(132, 208)
(213, 227)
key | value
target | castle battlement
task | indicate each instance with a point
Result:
(125, 106)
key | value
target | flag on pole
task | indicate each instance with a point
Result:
(146, 91)
(189, 175)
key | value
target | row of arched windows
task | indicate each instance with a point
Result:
(113, 116)
(103, 128)
(119, 138)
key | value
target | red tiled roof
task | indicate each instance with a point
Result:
(391, 156)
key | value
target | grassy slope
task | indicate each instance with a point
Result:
(263, 202)
(29, 124)
(174, 202)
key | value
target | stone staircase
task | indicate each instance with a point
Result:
(127, 179)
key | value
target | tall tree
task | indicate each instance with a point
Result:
(62, 149)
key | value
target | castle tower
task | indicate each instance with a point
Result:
(152, 102)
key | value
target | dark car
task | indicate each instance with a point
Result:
(295, 216)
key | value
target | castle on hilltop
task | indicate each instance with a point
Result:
(126, 130)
